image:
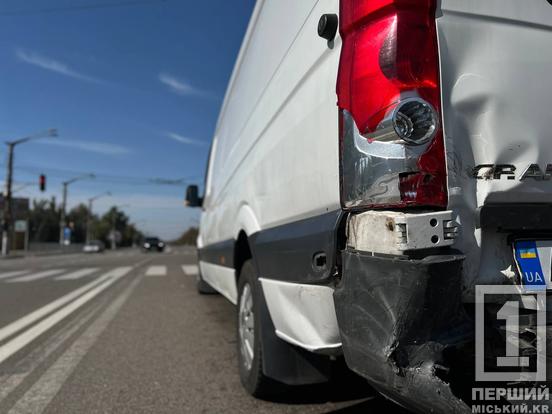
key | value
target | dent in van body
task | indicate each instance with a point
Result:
(493, 63)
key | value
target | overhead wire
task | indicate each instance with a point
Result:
(107, 178)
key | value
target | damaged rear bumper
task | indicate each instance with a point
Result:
(397, 318)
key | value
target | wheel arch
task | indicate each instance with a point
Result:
(282, 362)
(246, 225)
(242, 252)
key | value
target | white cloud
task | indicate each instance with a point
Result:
(184, 140)
(103, 148)
(43, 62)
(180, 86)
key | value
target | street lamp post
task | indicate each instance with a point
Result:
(89, 214)
(7, 216)
(113, 224)
(64, 203)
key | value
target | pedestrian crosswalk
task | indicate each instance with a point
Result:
(156, 271)
(36, 276)
(61, 275)
(7, 275)
(190, 270)
(29, 275)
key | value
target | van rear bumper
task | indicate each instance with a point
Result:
(397, 317)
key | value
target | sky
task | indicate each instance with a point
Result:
(134, 88)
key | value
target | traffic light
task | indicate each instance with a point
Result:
(42, 182)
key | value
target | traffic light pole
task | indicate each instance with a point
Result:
(6, 218)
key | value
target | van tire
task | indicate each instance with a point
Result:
(253, 379)
(203, 287)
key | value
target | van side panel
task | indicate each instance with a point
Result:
(277, 158)
(279, 125)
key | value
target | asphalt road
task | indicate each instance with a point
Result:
(126, 332)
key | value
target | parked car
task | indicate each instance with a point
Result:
(362, 229)
(153, 244)
(94, 246)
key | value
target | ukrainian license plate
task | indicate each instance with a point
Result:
(534, 262)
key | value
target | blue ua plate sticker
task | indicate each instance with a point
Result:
(527, 258)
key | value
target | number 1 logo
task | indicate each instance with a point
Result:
(509, 312)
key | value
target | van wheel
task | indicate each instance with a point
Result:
(249, 335)
(203, 287)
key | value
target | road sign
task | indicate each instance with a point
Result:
(67, 235)
(20, 226)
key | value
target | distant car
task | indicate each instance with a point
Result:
(153, 244)
(95, 246)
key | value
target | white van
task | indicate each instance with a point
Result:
(374, 161)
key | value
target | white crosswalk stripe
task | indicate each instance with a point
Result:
(36, 276)
(190, 270)
(6, 275)
(77, 274)
(156, 271)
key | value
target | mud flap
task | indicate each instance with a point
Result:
(286, 363)
(397, 316)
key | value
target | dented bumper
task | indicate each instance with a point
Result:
(398, 317)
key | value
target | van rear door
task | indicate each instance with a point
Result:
(496, 68)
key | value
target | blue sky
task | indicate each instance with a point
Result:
(134, 91)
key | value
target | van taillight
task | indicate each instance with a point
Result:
(392, 152)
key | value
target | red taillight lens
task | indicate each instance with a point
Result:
(390, 52)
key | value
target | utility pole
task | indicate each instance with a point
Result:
(7, 219)
(114, 224)
(64, 203)
(7, 211)
(89, 214)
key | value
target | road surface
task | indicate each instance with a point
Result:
(126, 332)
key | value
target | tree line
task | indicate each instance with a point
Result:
(44, 218)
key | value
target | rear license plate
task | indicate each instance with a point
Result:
(534, 263)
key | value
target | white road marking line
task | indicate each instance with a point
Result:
(17, 343)
(26, 320)
(5, 275)
(157, 271)
(40, 395)
(36, 276)
(190, 270)
(23, 368)
(77, 274)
